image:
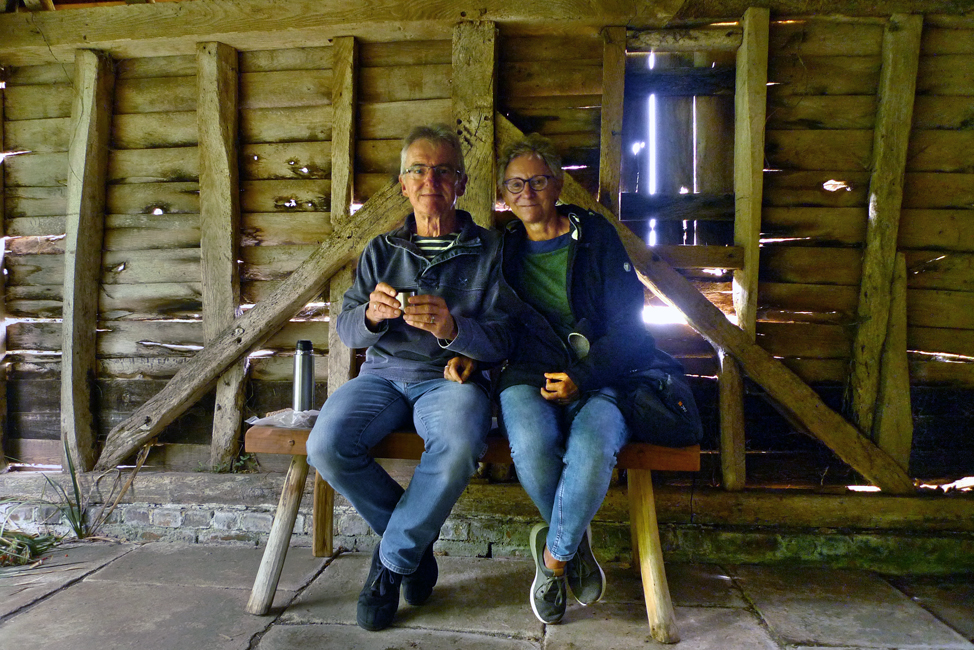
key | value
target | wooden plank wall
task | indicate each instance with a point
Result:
(824, 77)
(938, 206)
(821, 111)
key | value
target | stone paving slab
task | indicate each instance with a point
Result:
(616, 626)
(479, 596)
(199, 565)
(950, 598)
(810, 606)
(344, 637)
(66, 563)
(122, 616)
(691, 585)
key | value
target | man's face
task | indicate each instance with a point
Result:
(431, 181)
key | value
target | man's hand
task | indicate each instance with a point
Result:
(459, 369)
(382, 305)
(431, 314)
(559, 388)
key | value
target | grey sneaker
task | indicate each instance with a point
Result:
(586, 579)
(548, 591)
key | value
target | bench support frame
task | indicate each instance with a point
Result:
(637, 458)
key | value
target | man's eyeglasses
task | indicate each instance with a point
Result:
(536, 183)
(443, 172)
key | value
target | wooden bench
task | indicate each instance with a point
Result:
(639, 459)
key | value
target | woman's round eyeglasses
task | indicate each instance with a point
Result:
(536, 183)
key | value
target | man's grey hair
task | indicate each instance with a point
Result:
(531, 145)
(436, 134)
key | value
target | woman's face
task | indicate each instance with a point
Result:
(532, 206)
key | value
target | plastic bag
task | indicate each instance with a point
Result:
(287, 419)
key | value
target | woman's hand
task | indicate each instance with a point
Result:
(559, 388)
(459, 369)
(431, 314)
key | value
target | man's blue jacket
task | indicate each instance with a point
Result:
(467, 276)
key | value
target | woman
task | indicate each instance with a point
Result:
(581, 308)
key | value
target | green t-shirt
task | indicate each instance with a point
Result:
(543, 279)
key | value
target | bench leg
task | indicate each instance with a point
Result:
(322, 519)
(272, 562)
(642, 516)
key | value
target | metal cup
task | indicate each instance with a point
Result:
(403, 297)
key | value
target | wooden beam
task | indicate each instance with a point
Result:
(680, 82)
(217, 122)
(340, 359)
(613, 98)
(894, 116)
(726, 38)
(802, 403)
(344, 93)
(382, 212)
(893, 423)
(749, 103)
(730, 407)
(749, 110)
(474, 84)
(169, 28)
(705, 206)
(91, 114)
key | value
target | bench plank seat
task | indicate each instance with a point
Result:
(406, 445)
(640, 459)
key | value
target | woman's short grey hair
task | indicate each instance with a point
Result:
(531, 145)
(436, 134)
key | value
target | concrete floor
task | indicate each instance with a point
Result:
(167, 596)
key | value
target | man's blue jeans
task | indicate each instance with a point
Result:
(564, 456)
(453, 420)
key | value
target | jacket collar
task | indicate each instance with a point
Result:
(468, 229)
(515, 227)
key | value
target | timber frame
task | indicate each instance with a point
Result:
(216, 32)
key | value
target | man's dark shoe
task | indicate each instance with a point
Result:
(548, 592)
(586, 579)
(379, 599)
(417, 587)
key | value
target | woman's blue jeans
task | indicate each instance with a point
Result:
(564, 456)
(453, 420)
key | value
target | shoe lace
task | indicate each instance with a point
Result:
(550, 592)
(384, 583)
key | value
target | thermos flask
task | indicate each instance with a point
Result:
(304, 377)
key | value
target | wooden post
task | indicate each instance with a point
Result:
(750, 101)
(91, 114)
(649, 551)
(613, 98)
(474, 74)
(216, 115)
(344, 91)
(893, 424)
(894, 116)
(272, 562)
(340, 360)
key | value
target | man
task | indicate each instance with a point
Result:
(411, 372)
